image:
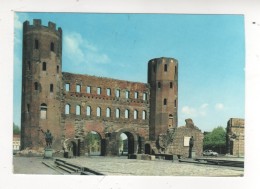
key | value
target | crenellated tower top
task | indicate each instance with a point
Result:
(37, 24)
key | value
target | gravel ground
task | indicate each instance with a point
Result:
(31, 165)
(124, 167)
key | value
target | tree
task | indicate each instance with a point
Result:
(215, 140)
(16, 129)
(92, 138)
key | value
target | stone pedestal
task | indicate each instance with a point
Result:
(48, 153)
(193, 153)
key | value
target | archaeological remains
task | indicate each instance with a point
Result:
(73, 105)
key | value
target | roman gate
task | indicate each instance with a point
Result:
(106, 108)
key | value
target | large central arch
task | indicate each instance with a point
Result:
(130, 144)
(95, 144)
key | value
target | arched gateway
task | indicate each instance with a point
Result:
(127, 145)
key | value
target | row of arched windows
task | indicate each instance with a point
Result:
(107, 91)
(37, 45)
(165, 68)
(44, 67)
(165, 102)
(118, 112)
(37, 87)
(159, 85)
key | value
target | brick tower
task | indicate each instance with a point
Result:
(163, 80)
(41, 83)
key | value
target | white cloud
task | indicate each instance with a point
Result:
(219, 106)
(203, 106)
(18, 24)
(79, 50)
(73, 43)
(195, 112)
(189, 111)
(203, 109)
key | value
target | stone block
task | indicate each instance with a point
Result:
(141, 156)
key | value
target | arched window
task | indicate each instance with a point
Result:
(43, 111)
(175, 103)
(67, 109)
(58, 69)
(88, 111)
(36, 44)
(88, 89)
(51, 88)
(117, 93)
(165, 101)
(126, 94)
(165, 67)
(67, 87)
(108, 92)
(170, 84)
(36, 86)
(170, 121)
(159, 85)
(78, 110)
(98, 111)
(135, 114)
(126, 114)
(117, 113)
(144, 96)
(99, 90)
(144, 115)
(108, 112)
(78, 88)
(136, 95)
(52, 46)
(44, 67)
(28, 108)
(29, 65)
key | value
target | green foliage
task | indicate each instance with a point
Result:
(215, 139)
(16, 129)
(91, 138)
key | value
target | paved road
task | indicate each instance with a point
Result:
(123, 166)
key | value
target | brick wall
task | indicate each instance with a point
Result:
(235, 136)
(178, 148)
(104, 123)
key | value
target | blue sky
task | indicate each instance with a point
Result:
(210, 50)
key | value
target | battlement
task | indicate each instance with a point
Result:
(37, 24)
(162, 60)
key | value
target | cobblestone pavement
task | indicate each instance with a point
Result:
(128, 167)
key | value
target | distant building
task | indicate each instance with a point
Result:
(236, 137)
(16, 143)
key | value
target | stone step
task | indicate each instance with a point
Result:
(68, 166)
(65, 169)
